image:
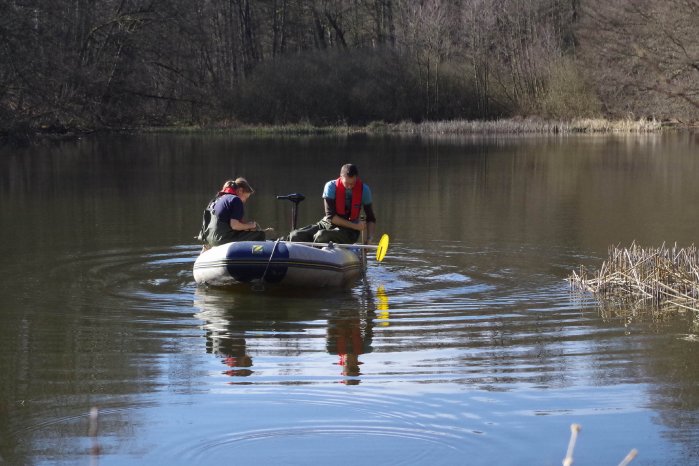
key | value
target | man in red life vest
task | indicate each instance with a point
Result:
(343, 199)
(223, 218)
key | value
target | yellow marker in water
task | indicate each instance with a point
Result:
(382, 307)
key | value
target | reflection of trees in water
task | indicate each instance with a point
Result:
(230, 318)
(673, 365)
(670, 362)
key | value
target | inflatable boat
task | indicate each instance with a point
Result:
(278, 262)
(316, 265)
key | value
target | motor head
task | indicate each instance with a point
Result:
(294, 197)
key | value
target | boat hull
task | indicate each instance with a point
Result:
(277, 262)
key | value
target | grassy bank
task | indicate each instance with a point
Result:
(296, 129)
(503, 126)
(510, 126)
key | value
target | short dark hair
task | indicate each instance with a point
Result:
(349, 169)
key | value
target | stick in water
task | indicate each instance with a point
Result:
(574, 429)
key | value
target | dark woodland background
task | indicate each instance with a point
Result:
(90, 64)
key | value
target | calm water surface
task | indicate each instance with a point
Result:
(463, 347)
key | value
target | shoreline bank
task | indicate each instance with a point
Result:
(506, 126)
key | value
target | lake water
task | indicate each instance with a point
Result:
(464, 346)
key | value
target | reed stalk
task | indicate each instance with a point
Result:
(574, 432)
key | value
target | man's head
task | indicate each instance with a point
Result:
(348, 175)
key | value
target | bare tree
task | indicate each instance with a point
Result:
(479, 36)
(117, 62)
(429, 28)
(529, 42)
(646, 54)
(248, 33)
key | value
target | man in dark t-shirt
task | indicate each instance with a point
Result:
(223, 219)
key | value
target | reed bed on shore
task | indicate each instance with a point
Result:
(298, 129)
(663, 276)
(528, 125)
(532, 125)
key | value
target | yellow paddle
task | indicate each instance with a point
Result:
(381, 248)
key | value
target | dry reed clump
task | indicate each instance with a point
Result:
(528, 126)
(660, 276)
(627, 125)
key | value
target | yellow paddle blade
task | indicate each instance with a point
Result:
(382, 248)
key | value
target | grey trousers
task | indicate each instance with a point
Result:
(324, 232)
(238, 236)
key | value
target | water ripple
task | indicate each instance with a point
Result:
(146, 278)
(342, 429)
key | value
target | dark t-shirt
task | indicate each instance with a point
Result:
(229, 207)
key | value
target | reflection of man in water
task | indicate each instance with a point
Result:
(350, 333)
(233, 351)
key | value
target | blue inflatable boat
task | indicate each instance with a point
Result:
(312, 265)
(280, 262)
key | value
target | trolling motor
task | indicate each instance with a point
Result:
(295, 198)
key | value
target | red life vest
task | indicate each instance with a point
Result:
(356, 200)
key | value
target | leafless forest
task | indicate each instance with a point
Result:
(87, 64)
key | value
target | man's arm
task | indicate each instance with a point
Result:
(370, 221)
(341, 222)
(332, 217)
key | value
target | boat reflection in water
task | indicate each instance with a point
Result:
(242, 326)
